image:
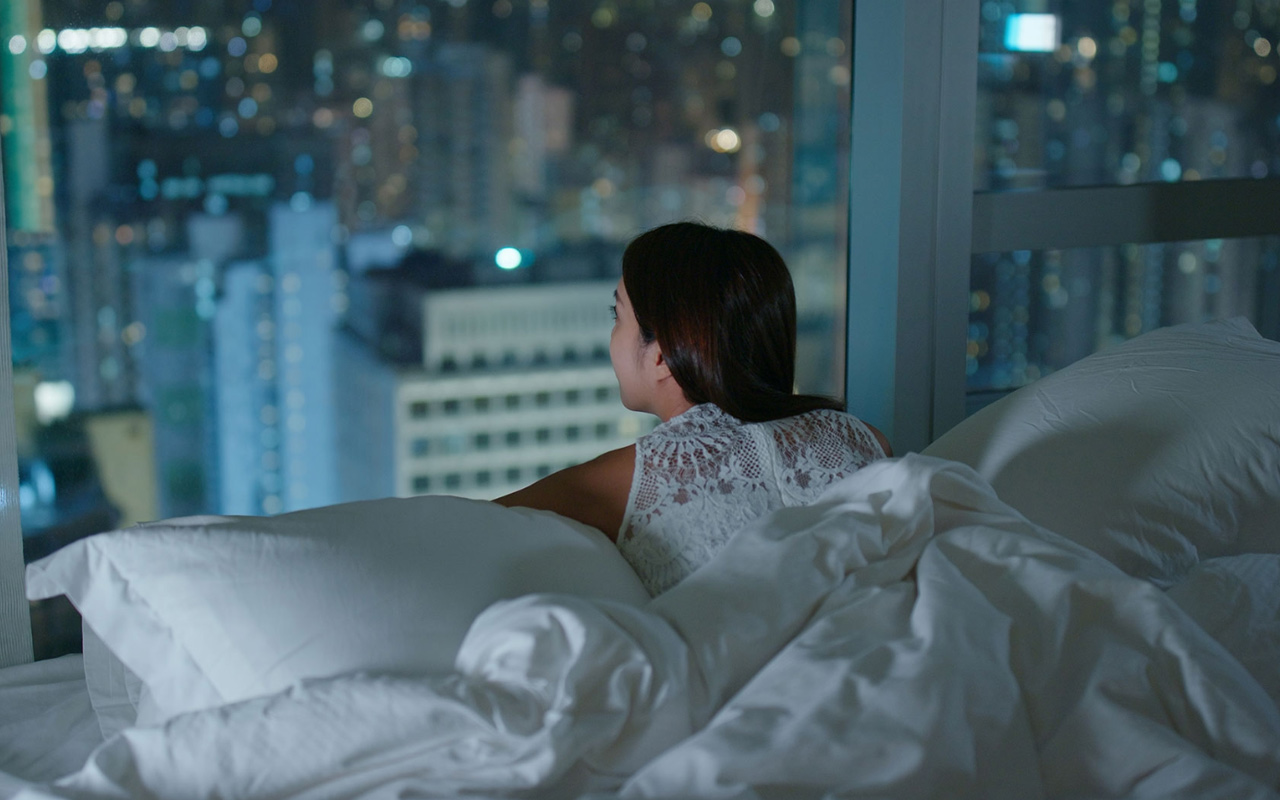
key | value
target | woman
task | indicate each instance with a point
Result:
(704, 337)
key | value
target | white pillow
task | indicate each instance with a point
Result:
(1156, 453)
(115, 692)
(209, 610)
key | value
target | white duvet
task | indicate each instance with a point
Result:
(907, 636)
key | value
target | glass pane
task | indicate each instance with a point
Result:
(271, 254)
(1033, 312)
(1126, 91)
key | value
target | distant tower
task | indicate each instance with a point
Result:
(99, 275)
(177, 378)
(36, 302)
(816, 235)
(303, 256)
(464, 118)
(543, 133)
(248, 411)
(24, 120)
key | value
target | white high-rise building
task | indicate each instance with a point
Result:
(538, 324)
(486, 435)
(514, 383)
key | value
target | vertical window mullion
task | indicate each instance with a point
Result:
(15, 612)
(910, 206)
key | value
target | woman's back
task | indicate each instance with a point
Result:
(703, 475)
(704, 337)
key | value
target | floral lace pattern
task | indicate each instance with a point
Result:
(703, 475)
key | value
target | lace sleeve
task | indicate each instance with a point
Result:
(815, 450)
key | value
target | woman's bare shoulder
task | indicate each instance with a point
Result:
(594, 492)
(607, 477)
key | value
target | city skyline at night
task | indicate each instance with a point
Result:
(226, 183)
(454, 132)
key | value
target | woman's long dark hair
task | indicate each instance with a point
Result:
(721, 306)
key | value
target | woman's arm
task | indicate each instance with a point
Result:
(594, 493)
(881, 438)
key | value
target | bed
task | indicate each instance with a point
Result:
(1075, 593)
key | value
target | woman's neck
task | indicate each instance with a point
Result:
(668, 408)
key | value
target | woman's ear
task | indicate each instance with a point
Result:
(660, 362)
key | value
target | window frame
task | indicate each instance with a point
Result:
(915, 74)
(16, 646)
(1143, 213)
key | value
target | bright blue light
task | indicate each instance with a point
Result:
(508, 258)
(397, 67)
(1032, 33)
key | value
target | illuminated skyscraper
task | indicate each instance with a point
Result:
(24, 119)
(464, 118)
(176, 377)
(36, 302)
(307, 302)
(248, 414)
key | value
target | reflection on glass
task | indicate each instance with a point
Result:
(271, 254)
(1034, 312)
(1126, 91)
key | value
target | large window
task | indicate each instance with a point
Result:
(271, 254)
(1045, 178)
(1146, 95)
(1032, 312)
(1129, 91)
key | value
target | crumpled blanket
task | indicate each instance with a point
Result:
(908, 635)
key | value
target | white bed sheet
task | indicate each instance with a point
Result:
(907, 636)
(47, 726)
(1237, 600)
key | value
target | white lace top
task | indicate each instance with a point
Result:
(701, 476)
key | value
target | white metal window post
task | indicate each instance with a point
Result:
(911, 202)
(15, 612)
